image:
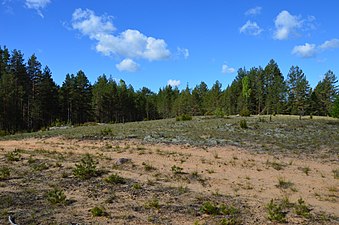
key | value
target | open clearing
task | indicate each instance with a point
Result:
(227, 179)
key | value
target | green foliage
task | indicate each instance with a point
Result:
(136, 186)
(245, 112)
(243, 124)
(183, 117)
(56, 196)
(335, 108)
(4, 173)
(284, 184)
(115, 179)
(13, 156)
(86, 168)
(219, 113)
(276, 212)
(210, 208)
(336, 173)
(98, 211)
(305, 169)
(148, 167)
(30, 100)
(106, 131)
(176, 169)
(3, 133)
(302, 209)
(215, 209)
(152, 203)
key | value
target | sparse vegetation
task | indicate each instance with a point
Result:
(152, 203)
(86, 168)
(276, 211)
(13, 156)
(275, 165)
(336, 173)
(183, 117)
(4, 173)
(136, 186)
(305, 169)
(148, 167)
(98, 211)
(56, 196)
(243, 124)
(211, 208)
(176, 169)
(115, 179)
(174, 184)
(302, 209)
(284, 184)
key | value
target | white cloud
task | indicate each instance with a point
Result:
(184, 52)
(226, 69)
(334, 43)
(130, 43)
(91, 25)
(173, 83)
(127, 65)
(286, 24)
(305, 51)
(310, 50)
(250, 28)
(38, 5)
(253, 11)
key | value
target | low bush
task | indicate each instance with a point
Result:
(276, 212)
(183, 117)
(245, 112)
(56, 196)
(243, 124)
(98, 211)
(4, 173)
(115, 179)
(86, 168)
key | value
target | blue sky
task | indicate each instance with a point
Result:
(153, 43)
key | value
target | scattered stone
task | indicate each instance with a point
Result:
(121, 161)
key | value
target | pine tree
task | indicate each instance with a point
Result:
(326, 91)
(298, 91)
(275, 87)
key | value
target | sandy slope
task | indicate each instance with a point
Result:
(231, 171)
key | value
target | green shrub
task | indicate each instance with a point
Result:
(210, 208)
(284, 184)
(56, 196)
(218, 112)
(243, 124)
(98, 211)
(3, 133)
(214, 209)
(276, 212)
(152, 203)
(176, 169)
(13, 156)
(106, 131)
(183, 117)
(86, 169)
(148, 167)
(302, 209)
(136, 186)
(4, 173)
(245, 112)
(336, 173)
(115, 179)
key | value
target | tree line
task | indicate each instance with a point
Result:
(31, 100)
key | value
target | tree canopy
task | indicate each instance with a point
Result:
(31, 100)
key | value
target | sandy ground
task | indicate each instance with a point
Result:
(251, 177)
